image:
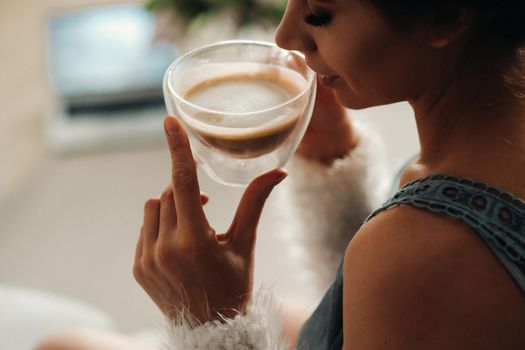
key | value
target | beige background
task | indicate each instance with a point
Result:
(69, 224)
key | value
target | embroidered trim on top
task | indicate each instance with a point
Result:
(499, 217)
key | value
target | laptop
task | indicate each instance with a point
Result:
(106, 70)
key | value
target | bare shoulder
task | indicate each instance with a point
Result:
(414, 279)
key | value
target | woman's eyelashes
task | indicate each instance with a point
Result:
(318, 20)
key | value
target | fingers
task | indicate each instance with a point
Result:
(150, 228)
(168, 215)
(204, 198)
(148, 235)
(250, 207)
(184, 178)
(297, 63)
(140, 244)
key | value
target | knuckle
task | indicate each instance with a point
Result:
(184, 178)
(189, 246)
(151, 204)
(148, 263)
(186, 248)
(166, 195)
(137, 272)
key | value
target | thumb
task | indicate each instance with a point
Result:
(244, 225)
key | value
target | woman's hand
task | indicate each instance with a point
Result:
(329, 135)
(180, 261)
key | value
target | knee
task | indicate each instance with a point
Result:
(70, 339)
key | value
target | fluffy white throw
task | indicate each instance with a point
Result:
(326, 205)
(258, 329)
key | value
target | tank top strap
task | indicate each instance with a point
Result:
(498, 217)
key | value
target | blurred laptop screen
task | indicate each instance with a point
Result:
(106, 55)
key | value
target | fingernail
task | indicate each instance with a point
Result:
(171, 125)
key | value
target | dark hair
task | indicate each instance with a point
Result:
(501, 19)
(497, 29)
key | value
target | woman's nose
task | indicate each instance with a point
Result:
(291, 34)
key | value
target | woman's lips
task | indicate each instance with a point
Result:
(328, 80)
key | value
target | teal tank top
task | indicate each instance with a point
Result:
(497, 217)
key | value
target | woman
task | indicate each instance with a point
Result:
(442, 264)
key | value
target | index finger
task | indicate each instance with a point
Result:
(186, 191)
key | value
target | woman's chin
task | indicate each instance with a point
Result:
(351, 102)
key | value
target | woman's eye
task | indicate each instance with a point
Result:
(318, 20)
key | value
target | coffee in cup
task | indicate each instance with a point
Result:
(232, 99)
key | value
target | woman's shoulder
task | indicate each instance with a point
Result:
(420, 269)
(411, 241)
(417, 238)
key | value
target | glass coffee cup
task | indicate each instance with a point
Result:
(245, 106)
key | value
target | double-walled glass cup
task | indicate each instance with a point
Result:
(245, 106)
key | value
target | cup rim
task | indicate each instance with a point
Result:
(223, 43)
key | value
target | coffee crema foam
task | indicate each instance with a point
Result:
(242, 120)
(243, 93)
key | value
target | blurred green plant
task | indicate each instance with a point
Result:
(247, 11)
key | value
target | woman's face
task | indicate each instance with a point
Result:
(355, 51)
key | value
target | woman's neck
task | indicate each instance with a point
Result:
(477, 132)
